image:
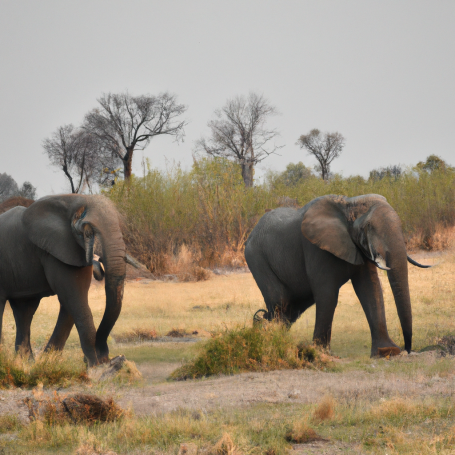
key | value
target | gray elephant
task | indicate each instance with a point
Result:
(301, 257)
(47, 249)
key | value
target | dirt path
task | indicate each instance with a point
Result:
(287, 386)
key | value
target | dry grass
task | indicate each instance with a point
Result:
(50, 369)
(418, 423)
(325, 410)
(301, 433)
(443, 238)
(136, 335)
(225, 446)
(9, 423)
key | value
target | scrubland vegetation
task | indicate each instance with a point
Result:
(350, 416)
(179, 222)
(184, 223)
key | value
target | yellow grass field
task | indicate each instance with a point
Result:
(226, 301)
(404, 405)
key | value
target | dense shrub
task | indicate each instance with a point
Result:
(179, 222)
(259, 348)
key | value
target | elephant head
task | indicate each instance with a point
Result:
(364, 228)
(66, 227)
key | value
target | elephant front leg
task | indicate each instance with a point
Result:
(62, 330)
(71, 284)
(23, 311)
(368, 289)
(326, 302)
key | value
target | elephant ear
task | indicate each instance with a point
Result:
(326, 226)
(48, 225)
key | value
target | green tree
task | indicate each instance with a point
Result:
(294, 174)
(433, 163)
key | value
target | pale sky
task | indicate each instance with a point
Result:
(382, 73)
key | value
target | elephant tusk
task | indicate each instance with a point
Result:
(380, 263)
(378, 260)
(411, 261)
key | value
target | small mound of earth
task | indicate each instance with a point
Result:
(118, 367)
(74, 408)
(177, 333)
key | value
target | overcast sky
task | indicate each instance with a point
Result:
(381, 73)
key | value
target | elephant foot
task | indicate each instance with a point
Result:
(386, 348)
(104, 359)
(389, 351)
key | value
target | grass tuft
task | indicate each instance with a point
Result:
(50, 369)
(136, 335)
(258, 348)
(177, 333)
(301, 433)
(9, 423)
(325, 410)
(225, 446)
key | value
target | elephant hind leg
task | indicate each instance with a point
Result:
(23, 311)
(326, 303)
(62, 330)
(276, 296)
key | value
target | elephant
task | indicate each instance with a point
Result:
(47, 249)
(302, 257)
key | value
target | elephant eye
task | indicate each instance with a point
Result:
(83, 214)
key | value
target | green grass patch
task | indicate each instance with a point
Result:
(158, 352)
(50, 369)
(265, 347)
(9, 423)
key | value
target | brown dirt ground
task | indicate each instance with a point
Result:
(286, 386)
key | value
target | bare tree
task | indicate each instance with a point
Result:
(79, 154)
(239, 131)
(8, 186)
(325, 147)
(125, 123)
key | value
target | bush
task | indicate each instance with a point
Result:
(180, 223)
(259, 348)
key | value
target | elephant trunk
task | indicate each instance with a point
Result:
(398, 279)
(113, 257)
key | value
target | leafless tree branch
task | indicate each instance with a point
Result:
(126, 123)
(239, 131)
(325, 147)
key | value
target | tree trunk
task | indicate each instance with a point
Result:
(325, 172)
(127, 164)
(65, 170)
(248, 173)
